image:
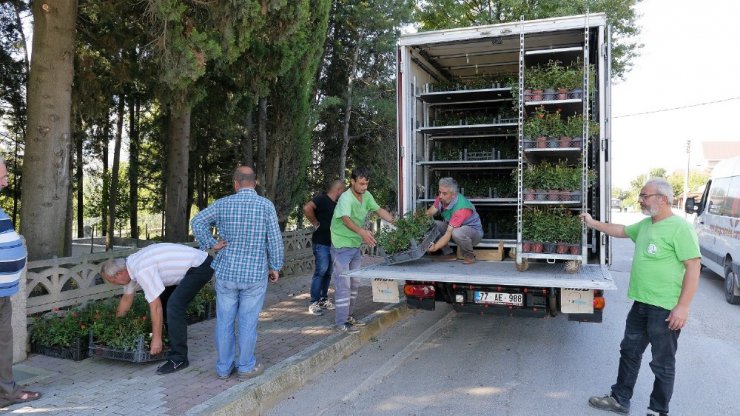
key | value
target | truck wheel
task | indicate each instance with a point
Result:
(730, 286)
(552, 303)
(523, 266)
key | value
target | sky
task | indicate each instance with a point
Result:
(690, 56)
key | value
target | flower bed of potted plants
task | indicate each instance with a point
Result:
(66, 333)
(408, 239)
(125, 338)
(61, 334)
(203, 306)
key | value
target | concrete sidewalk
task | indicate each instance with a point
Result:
(292, 344)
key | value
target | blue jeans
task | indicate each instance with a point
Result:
(345, 288)
(646, 325)
(242, 301)
(322, 273)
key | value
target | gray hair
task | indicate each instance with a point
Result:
(112, 266)
(448, 183)
(662, 187)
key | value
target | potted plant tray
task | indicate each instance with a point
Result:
(77, 351)
(416, 251)
(140, 354)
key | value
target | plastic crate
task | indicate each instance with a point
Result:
(139, 355)
(77, 351)
(416, 251)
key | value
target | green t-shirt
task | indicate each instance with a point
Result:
(349, 206)
(657, 267)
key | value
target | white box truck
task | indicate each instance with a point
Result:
(519, 115)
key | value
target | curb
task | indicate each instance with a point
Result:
(260, 394)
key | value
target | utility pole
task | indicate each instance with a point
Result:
(686, 179)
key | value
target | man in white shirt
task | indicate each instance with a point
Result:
(170, 276)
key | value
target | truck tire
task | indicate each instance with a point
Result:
(731, 285)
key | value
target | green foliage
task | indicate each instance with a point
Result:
(206, 295)
(412, 226)
(554, 225)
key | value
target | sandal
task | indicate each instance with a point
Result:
(27, 396)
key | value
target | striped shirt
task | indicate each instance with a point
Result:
(249, 225)
(160, 265)
(12, 256)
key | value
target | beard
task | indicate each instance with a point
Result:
(650, 211)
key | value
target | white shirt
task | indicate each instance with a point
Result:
(160, 265)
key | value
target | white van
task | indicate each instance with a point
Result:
(718, 225)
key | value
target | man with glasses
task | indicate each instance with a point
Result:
(663, 280)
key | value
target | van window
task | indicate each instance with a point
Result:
(717, 196)
(732, 202)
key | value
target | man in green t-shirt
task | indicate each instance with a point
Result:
(347, 234)
(663, 280)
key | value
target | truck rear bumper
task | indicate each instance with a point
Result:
(590, 276)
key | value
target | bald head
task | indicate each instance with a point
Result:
(244, 177)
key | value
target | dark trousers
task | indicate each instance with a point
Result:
(8, 388)
(646, 324)
(175, 300)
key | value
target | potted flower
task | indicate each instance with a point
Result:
(534, 83)
(61, 334)
(553, 72)
(535, 130)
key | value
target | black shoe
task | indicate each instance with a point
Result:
(608, 403)
(171, 366)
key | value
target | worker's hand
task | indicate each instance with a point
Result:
(677, 318)
(367, 238)
(587, 219)
(156, 346)
(219, 245)
(273, 276)
(433, 248)
(316, 225)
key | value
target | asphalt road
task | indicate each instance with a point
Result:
(442, 362)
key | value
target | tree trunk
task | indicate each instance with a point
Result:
(16, 181)
(106, 179)
(133, 165)
(46, 164)
(262, 142)
(113, 194)
(79, 178)
(176, 226)
(247, 144)
(347, 113)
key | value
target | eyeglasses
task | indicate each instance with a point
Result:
(646, 196)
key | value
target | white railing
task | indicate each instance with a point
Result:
(69, 281)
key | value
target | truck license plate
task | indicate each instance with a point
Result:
(500, 298)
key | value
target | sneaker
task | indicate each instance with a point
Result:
(651, 412)
(609, 403)
(257, 370)
(326, 304)
(226, 376)
(171, 366)
(354, 322)
(315, 309)
(347, 328)
(469, 260)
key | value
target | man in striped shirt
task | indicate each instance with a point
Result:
(12, 262)
(170, 276)
(251, 252)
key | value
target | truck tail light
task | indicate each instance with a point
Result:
(599, 301)
(418, 290)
